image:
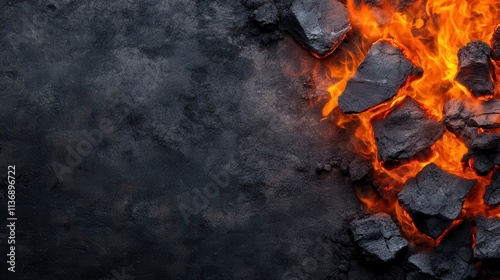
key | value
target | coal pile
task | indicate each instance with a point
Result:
(407, 132)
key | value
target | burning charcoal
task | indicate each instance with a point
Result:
(495, 44)
(451, 259)
(482, 164)
(266, 16)
(405, 131)
(475, 70)
(492, 194)
(319, 25)
(472, 120)
(487, 241)
(378, 237)
(467, 112)
(379, 77)
(434, 199)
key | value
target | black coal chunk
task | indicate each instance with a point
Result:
(378, 237)
(465, 117)
(452, 259)
(266, 16)
(405, 131)
(460, 113)
(476, 71)
(495, 44)
(434, 198)
(487, 238)
(492, 194)
(378, 78)
(482, 164)
(319, 25)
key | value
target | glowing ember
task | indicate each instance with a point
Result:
(432, 33)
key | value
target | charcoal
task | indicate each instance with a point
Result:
(450, 260)
(405, 132)
(434, 199)
(359, 168)
(266, 16)
(421, 263)
(468, 112)
(487, 241)
(378, 237)
(482, 164)
(476, 71)
(465, 116)
(495, 44)
(319, 25)
(492, 194)
(378, 78)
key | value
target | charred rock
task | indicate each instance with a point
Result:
(319, 26)
(382, 73)
(378, 237)
(434, 198)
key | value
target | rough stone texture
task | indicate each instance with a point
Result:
(475, 70)
(355, 165)
(492, 194)
(198, 107)
(484, 161)
(482, 164)
(266, 16)
(450, 260)
(405, 132)
(464, 117)
(495, 44)
(487, 238)
(378, 237)
(318, 25)
(460, 113)
(382, 73)
(434, 199)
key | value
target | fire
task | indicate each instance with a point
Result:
(432, 32)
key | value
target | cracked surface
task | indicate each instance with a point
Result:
(319, 26)
(378, 237)
(378, 78)
(492, 194)
(450, 260)
(405, 131)
(434, 199)
(475, 71)
(487, 238)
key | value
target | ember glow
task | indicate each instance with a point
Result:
(431, 33)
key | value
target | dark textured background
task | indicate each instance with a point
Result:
(192, 92)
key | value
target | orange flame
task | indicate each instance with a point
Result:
(432, 32)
